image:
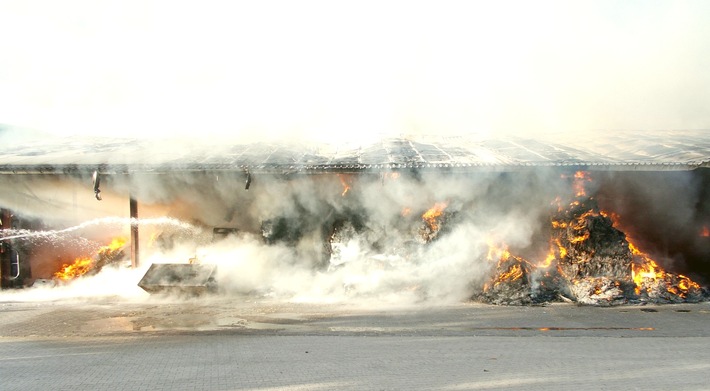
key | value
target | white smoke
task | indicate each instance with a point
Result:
(115, 282)
(385, 260)
(351, 70)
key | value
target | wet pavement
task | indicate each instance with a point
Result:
(225, 343)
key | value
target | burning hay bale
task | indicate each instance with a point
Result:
(595, 259)
(517, 281)
(590, 262)
(433, 221)
(671, 288)
(510, 284)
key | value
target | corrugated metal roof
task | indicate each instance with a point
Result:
(678, 150)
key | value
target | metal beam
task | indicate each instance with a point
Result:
(135, 253)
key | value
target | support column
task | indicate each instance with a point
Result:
(135, 253)
(5, 249)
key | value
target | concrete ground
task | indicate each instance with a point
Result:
(245, 344)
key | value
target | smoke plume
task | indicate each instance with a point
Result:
(352, 70)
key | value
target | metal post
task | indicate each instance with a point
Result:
(5, 249)
(134, 232)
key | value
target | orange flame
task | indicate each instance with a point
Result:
(557, 251)
(648, 270)
(548, 259)
(514, 273)
(558, 202)
(577, 225)
(613, 217)
(645, 272)
(83, 265)
(115, 245)
(580, 238)
(76, 269)
(598, 290)
(578, 184)
(559, 224)
(499, 253)
(345, 181)
(431, 215)
(391, 175)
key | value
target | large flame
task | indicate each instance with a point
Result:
(646, 272)
(79, 267)
(83, 265)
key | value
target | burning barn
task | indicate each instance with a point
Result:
(505, 221)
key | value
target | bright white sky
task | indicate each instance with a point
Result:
(350, 69)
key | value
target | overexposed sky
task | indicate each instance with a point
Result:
(342, 70)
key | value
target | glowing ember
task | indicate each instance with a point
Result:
(705, 232)
(431, 215)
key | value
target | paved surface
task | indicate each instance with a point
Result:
(230, 343)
